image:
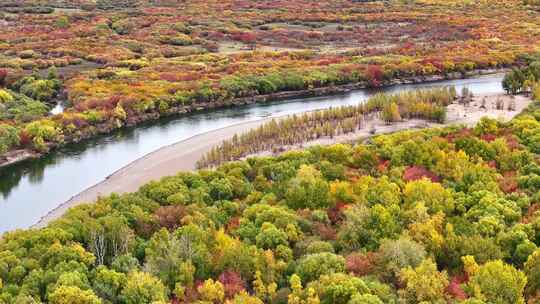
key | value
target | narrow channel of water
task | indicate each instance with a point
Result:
(31, 189)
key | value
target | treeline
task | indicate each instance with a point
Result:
(423, 104)
(445, 216)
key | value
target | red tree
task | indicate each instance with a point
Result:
(3, 76)
(418, 172)
(232, 283)
(454, 288)
(374, 75)
(360, 264)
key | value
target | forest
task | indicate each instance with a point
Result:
(439, 215)
(112, 64)
(445, 215)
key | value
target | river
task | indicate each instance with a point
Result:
(31, 189)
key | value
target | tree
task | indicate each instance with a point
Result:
(221, 189)
(108, 283)
(308, 190)
(263, 291)
(244, 298)
(271, 237)
(365, 299)
(428, 232)
(125, 263)
(74, 278)
(9, 137)
(232, 283)
(365, 227)
(5, 97)
(390, 113)
(365, 158)
(372, 191)
(162, 190)
(486, 126)
(498, 283)
(434, 196)
(170, 216)
(164, 259)
(73, 295)
(257, 215)
(423, 283)
(395, 255)
(143, 288)
(360, 264)
(3, 76)
(483, 249)
(532, 271)
(338, 288)
(312, 266)
(212, 291)
(62, 22)
(299, 295)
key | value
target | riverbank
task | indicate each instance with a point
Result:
(16, 156)
(183, 156)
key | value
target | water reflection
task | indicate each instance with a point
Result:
(31, 189)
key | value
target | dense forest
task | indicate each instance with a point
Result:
(441, 215)
(447, 215)
(117, 63)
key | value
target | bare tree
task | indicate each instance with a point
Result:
(98, 245)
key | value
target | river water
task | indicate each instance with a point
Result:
(31, 189)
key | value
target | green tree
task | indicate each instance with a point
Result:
(532, 271)
(365, 227)
(108, 283)
(9, 138)
(308, 190)
(221, 189)
(434, 196)
(62, 22)
(73, 295)
(498, 283)
(143, 288)
(299, 295)
(423, 283)
(312, 266)
(271, 237)
(338, 288)
(398, 254)
(164, 258)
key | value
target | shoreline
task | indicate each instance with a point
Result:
(183, 155)
(210, 139)
(17, 156)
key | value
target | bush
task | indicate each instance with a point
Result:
(9, 138)
(5, 96)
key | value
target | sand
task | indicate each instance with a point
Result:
(183, 156)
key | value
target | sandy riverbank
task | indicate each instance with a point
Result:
(184, 155)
